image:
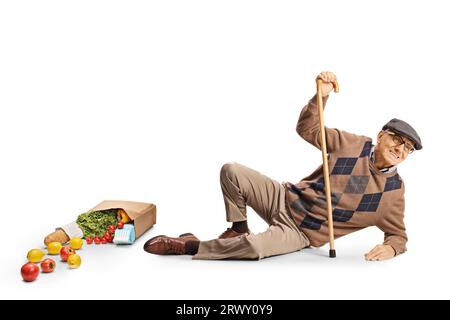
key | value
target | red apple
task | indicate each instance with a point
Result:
(29, 271)
(48, 265)
(66, 252)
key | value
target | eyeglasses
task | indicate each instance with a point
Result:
(398, 140)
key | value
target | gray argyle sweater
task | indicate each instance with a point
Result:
(362, 195)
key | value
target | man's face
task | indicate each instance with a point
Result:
(391, 148)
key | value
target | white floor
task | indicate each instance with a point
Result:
(127, 272)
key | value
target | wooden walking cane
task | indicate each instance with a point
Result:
(326, 175)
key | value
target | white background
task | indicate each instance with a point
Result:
(145, 100)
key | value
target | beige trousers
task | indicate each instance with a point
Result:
(242, 186)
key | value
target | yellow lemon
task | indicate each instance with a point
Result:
(35, 255)
(76, 243)
(54, 247)
(74, 261)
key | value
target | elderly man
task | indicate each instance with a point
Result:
(366, 190)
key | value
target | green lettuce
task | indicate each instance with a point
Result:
(96, 223)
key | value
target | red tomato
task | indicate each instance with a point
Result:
(66, 252)
(89, 240)
(120, 225)
(107, 235)
(29, 271)
(103, 240)
(111, 229)
(48, 265)
(97, 240)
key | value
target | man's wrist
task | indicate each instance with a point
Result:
(393, 249)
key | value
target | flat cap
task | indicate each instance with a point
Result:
(404, 129)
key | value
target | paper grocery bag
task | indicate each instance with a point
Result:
(142, 214)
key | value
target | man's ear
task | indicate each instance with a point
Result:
(380, 134)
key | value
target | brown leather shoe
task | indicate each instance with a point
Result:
(164, 245)
(230, 233)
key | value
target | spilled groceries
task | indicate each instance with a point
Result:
(110, 222)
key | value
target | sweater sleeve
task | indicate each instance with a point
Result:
(308, 127)
(393, 226)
